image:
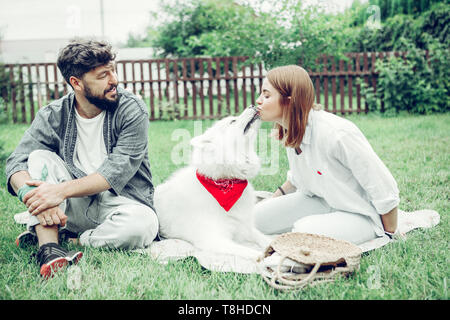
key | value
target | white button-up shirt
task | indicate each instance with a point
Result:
(338, 164)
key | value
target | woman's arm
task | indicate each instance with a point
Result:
(355, 153)
(390, 220)
(287, 187)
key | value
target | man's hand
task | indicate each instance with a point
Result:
(45, 196)
(52, 216)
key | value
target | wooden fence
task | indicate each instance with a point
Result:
(196, 88)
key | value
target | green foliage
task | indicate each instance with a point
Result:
(434, 21)
(223, 28)
(289, 33)
(391, 8)
(413, 84)
(369, 95)
(170, 110)
(205, 28)
(313, 32)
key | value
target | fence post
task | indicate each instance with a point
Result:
(167, 67)
(30, 92)
(202, 100)
(373, 72)
(55, 76)
(366, 77)
(141, 70)
(13, 92)
(317, 82)
(210, 84)
(152, 96)
(325, 80)
(341, 85)
(227, 84)
(252, 84)
(380, 55)
(194, 87)
(358, 86)
(22, 95)
(244, 89)
(235, 87)
(38, 84)
(333, 83)
(219, 97)
(47, 86)
(350, 83)
(185, 95)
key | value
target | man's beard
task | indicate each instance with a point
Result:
(102, 103)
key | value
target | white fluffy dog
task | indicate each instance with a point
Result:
(210, 203)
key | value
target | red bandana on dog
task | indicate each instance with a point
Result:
(225, 191)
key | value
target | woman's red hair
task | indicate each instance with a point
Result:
(294, 82)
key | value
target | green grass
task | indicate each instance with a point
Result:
(415, 149)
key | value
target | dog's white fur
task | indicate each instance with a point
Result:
(187, 211)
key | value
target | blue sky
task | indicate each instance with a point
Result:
(53, 19)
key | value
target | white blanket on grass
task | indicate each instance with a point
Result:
(175, 249)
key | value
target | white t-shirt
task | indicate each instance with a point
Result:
(338, 164)
(90, 150)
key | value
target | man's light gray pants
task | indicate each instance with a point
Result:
(104, 220)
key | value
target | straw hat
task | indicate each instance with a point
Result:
(325, 258)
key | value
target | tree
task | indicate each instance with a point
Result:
(283, 35)
(390, 8)
(434, 21)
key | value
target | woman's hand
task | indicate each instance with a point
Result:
(45, 196)
(287, 187)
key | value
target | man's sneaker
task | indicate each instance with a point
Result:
(27, 238)
(52, 257)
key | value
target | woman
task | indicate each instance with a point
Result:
(336, 185)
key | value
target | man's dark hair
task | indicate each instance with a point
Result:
(81, 56)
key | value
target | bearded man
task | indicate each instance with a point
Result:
(82, 167)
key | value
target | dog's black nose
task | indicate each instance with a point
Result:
(255, 109)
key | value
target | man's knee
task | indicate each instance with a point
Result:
(37, 156)
(140, 227)
(56, 168)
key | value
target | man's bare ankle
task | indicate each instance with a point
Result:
(46, 234)
(74, 241)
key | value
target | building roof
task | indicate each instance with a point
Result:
(46, 50)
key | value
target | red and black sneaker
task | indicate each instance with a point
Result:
(26, 238)
(52, 257)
